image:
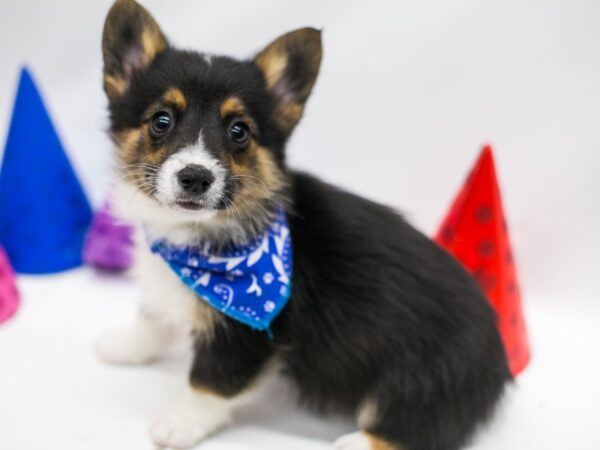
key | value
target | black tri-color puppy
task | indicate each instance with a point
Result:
(268, 269)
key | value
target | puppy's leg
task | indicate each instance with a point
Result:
(424, 411)
(140, 343)
(227, 363)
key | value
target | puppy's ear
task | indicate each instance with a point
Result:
(290, 65)
(130, 42)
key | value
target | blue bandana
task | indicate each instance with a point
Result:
(251, 284)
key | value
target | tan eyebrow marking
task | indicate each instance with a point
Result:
(175, 97)
(232, 106)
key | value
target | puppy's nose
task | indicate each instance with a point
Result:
(195, 179)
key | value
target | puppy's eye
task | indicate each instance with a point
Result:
(239, 133)
(160, 123)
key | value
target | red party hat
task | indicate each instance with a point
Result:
(475, 232)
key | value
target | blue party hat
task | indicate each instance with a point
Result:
(44, 212)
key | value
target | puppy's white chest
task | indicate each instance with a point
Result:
(167, 299)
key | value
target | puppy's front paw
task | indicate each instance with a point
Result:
(127, 346)
(183, 428)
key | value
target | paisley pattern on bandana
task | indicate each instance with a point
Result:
(251, 284)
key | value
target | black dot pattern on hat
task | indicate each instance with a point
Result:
(486, 248)
(486, 280)
(448, 234)
(511, 288)
(483, 214)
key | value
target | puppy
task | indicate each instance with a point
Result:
(369, 317)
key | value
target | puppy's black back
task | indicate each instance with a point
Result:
(381, 315)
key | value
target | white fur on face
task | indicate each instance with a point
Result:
(177, 225)
(168, 190)
(160, 216)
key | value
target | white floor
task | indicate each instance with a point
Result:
(55, 395)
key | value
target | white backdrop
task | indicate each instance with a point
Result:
(409, 90)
